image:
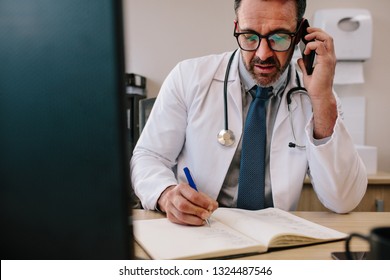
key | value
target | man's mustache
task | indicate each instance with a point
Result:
(268, 61)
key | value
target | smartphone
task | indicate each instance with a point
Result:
(361, 255)
(308, 60)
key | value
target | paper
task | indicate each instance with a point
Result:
(349, 72)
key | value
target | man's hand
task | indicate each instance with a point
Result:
(184, 205)
(320, 84)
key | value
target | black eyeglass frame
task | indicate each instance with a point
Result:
(296, 34)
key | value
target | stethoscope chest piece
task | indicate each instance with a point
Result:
(226, 137)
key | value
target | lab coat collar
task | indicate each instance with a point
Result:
(221, 71)
(234, 83)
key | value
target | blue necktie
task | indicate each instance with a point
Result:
(252, 168)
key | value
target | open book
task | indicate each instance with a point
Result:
(232, 232)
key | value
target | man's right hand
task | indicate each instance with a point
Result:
(184, 205)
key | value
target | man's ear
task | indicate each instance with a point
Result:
(235, 25)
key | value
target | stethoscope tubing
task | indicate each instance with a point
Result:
(225, 82)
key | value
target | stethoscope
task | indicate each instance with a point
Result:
(226, 136)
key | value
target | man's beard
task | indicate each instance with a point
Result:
(264, 79)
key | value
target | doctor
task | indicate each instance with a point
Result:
(189, 112)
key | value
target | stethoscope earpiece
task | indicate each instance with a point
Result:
(226, 137)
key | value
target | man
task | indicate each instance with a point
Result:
(189, 112)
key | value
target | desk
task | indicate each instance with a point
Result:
(360, 222)
(377, 197)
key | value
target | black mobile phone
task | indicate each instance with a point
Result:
(308, 60)
(360, 255)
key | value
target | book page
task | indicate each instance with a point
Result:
(264, 225)
(162, 239)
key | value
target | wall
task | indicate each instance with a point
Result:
(159, 34)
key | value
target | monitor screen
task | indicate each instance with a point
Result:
(63, 149)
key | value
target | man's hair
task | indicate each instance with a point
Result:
(301, 7)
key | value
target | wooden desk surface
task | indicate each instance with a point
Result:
(360, 222)
(380, 178)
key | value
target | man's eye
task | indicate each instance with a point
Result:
(251, 37)
(279, 37)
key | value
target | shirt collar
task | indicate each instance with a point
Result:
(248, 82)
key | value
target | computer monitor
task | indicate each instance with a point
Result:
(63, 149)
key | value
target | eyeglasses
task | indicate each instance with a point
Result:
(278, 41)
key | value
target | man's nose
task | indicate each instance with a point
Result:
(264, 51)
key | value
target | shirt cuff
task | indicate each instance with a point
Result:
(310, 133)
(319, 142)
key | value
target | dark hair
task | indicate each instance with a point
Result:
(301, 7)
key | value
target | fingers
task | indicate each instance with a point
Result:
(317, 34)
(183, 205)
(321, 42)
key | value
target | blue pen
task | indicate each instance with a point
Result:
(192, 184)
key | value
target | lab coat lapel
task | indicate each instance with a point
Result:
(234, 98)
(283, 113)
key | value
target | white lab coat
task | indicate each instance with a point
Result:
(182, 131)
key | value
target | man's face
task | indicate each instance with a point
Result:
(265, 17)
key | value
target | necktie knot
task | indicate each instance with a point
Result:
(263, 92)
